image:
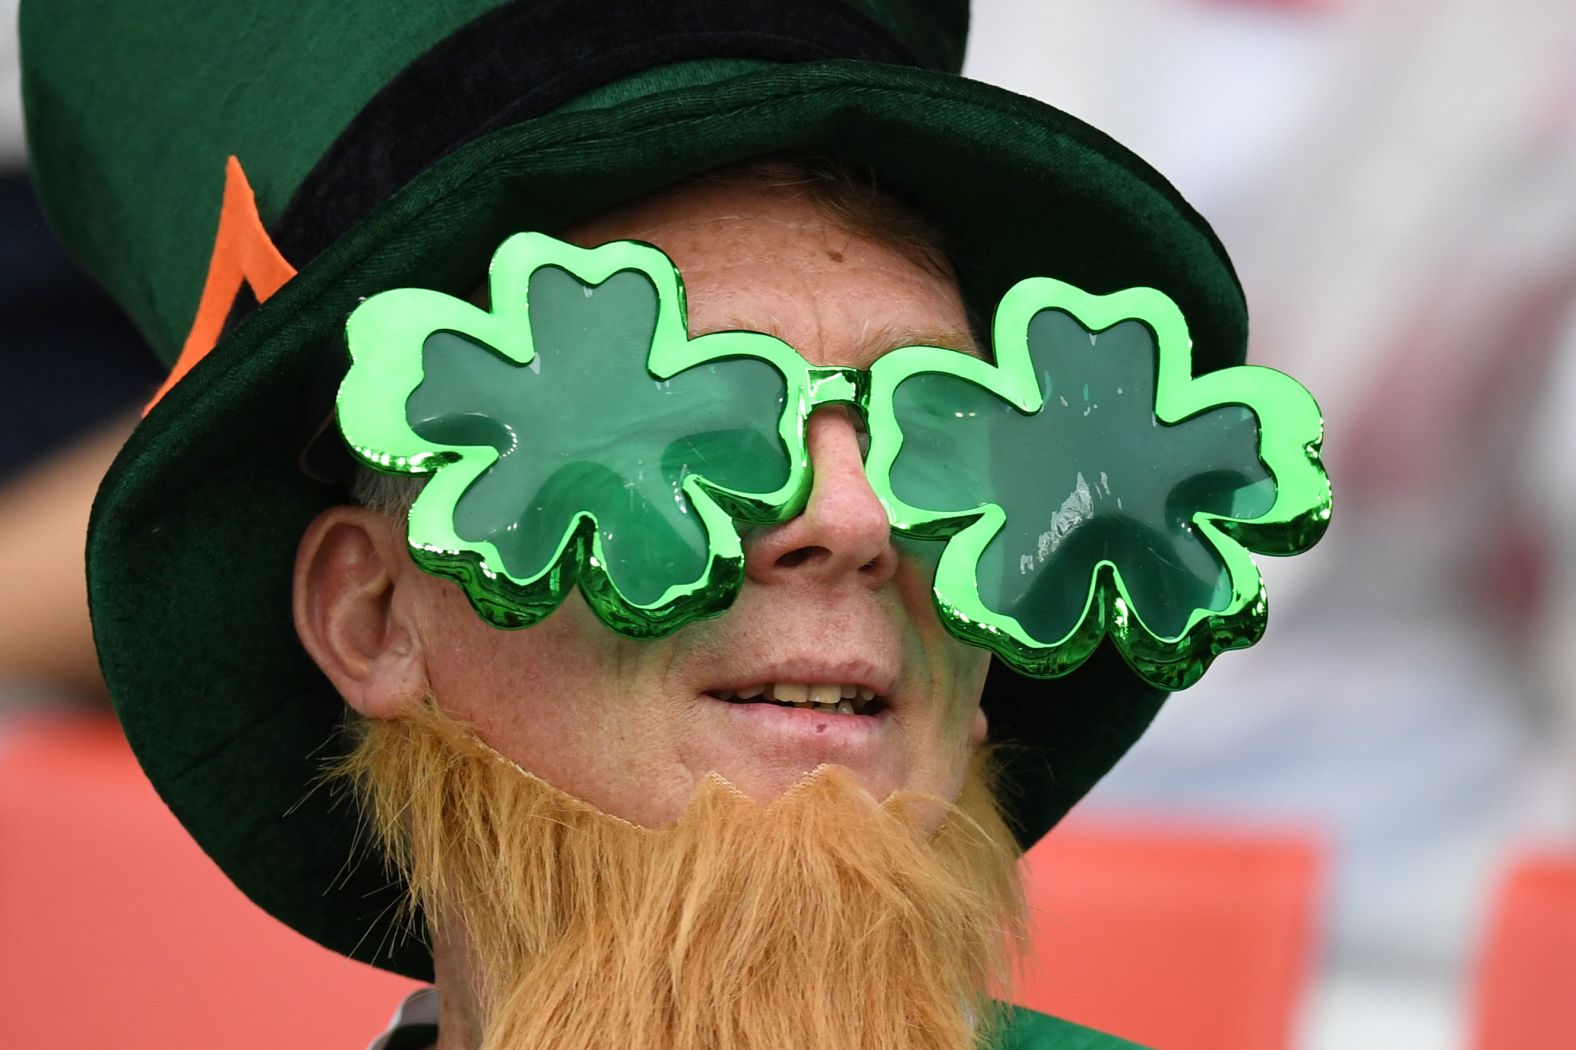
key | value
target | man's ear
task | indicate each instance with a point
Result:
(348, 570)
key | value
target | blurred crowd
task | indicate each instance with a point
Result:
(1396, 181)
(75, 374)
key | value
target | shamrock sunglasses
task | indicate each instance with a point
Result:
(1083, 484)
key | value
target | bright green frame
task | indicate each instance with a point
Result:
(386, 335)
(1291, 431)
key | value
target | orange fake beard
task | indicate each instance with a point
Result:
(821, 921)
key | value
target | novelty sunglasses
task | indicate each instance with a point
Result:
(1082, 484)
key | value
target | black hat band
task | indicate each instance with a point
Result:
(527, 58)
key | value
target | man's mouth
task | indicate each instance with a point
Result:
(827, 698)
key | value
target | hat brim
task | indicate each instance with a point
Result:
(194, 532)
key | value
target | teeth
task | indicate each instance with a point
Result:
(825, 695)
(818, 696)
(791, 692)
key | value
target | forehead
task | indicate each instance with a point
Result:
(769, 258)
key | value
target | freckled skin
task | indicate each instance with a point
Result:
(626, 724)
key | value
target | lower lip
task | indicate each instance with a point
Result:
(827, 736)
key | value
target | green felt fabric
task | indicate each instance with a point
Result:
(128, 106)
(193, 534)
(132, 109)
(1026, 1030)
(935, 30)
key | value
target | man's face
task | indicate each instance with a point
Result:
(828, 602)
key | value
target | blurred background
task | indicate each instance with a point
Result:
(1396, 182)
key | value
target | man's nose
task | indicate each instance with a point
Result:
(843, 530)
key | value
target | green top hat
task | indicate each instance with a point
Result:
(395, 142)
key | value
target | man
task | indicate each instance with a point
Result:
(769, 827)
(636, 727)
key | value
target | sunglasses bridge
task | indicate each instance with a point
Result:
(837, 385)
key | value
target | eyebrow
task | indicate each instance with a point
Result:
(873, 343)
(890, 337)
